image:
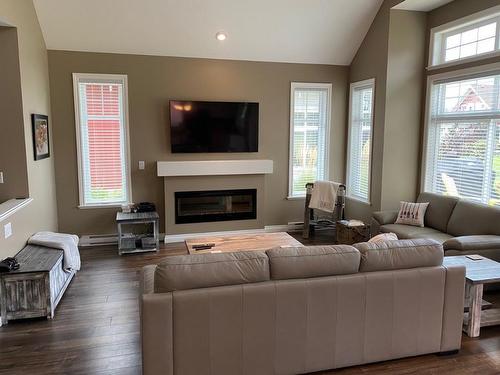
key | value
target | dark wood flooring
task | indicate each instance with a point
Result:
(96, 329)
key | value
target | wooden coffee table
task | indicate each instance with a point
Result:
(248, 242)
(477, 274)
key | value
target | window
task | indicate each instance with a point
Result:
(463, 137)
(101, 111)
(472, 36)
(360, 140)
(309, 135)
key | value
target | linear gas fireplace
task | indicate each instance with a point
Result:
(215, 205)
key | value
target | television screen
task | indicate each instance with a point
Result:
(214, 126)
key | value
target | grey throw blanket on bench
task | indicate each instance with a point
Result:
(68, 243)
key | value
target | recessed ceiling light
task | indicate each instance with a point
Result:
(221, 36)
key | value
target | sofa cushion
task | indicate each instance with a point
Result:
(480, 242)
(313, 261)
(470, 219)
(208, 270)
(411, 232)
(400, 254)
(439, 210)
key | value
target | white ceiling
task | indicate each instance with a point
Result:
(301, 31)
(421, 5)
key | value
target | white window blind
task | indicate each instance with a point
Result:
(360, 140)
(309, 132)
(101, 121)
(463, 138)
(471, 36)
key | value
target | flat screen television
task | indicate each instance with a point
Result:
(197, 126)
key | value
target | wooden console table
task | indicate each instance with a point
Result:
(477, 274)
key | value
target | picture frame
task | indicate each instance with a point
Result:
(40, 133)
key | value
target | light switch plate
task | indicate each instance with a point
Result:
(1, 177)
(141, 164)
(7, 230)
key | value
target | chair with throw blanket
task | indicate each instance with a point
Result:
(324, 206)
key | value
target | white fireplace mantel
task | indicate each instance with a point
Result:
(213, 167)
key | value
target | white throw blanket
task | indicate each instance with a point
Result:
(324, 195)
(68, 243)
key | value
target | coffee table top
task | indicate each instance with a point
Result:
(484, 271)
(247, 242)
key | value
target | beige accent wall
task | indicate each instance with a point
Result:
(12, 147)
(41, 214)
(393, 53)
(404, 88)
(153, 81)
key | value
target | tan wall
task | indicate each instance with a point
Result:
(405, 72)
(41, 214)
(12, 147)
(152, 82)
(371, 62)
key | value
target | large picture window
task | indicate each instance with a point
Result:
(309, 135)
(360, 140)
(101, 112)
(463, 137)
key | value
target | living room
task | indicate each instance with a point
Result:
(180, 179)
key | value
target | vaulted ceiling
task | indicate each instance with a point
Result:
(300, 31)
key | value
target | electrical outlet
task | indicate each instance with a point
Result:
(141, 164)
(1, 177)
(7, 230)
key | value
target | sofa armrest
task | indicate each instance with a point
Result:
(453, 308)
(385, 217)
(147, 279)
(157, 334)
(470, 243)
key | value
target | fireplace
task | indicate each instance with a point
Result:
(215, 205)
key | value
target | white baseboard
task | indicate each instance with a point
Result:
(172, 238)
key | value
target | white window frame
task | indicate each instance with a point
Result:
(368, 82)
(123, 79)
(440, 33)
(452, 75)
(308, 85)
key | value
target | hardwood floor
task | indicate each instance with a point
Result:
(96, 329)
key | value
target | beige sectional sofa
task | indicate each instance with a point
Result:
(462, 227)
(299, 310)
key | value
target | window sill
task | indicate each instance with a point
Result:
(359, 200)
(295, 197)
(93, 206)
(11, 206)
(464, 61)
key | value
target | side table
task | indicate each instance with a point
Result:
(350, 234)
(477, 274)
(131, 242)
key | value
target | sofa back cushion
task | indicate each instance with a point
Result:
(472, 219)
(400, 254)
(439, 210)
(313, 261)
(209, 270)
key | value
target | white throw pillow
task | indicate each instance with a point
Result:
(412, 213)
(383, 237)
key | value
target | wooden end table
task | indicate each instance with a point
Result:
(129, 243)
(477, 274)
(246, 242)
